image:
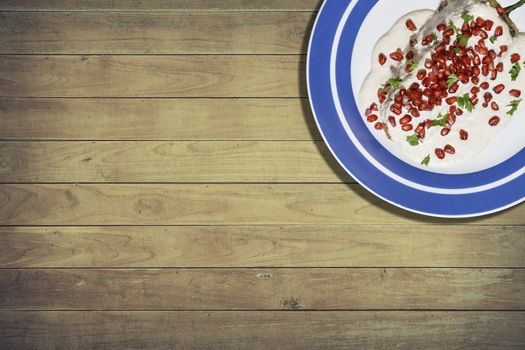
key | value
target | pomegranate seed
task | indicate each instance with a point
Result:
(453, 88)
(494, 121)
(515, 57)
(441, 27)
(463, 135)
(372, 118)
(407, 127)
(487, 96)
(480, 21)
(499, 88)
(493, 75)
(485, 104)
(440, 153)
(448, 32)
(483, 34)
(379, 126)
(451, 100)
(428, 63)
(414, 86)
(413, 42)
(445, 131)
(501, 10)
(475, 90)
(421, 74)
(498, 31)
(503, 49)
(515, 93)
(451, 119)
(397, 56)
(452, 109)
(428, 123)
(421, 133)
(414, 112)
(405, 120)
(475, 80)
(484, 85)
(449, 149)
(411, 25)
(446, 40)
(488, 25)
(500, 67)
(459, 111)
(374, 107)
(392, 121)
(381, 59)
(427, 40)
(494, 105)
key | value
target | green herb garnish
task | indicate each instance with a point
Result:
(465, 102)
(456, 49)
(515, 71)
(413, 66)
(466, 17)
(413, 140)
(463, 40)
(514, 106)
(441, 120)
(452, 79)
(426, 161)
(395, 83)
(493, 39)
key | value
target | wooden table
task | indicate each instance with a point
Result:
(163, 185)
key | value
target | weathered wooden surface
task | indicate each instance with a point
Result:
(155, 76)
(263, 246)
(263, 330)
(273, 119)
(205, 185)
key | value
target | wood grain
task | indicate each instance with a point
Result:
(152, 76)
(157, 119)
(154, 5)
(262, 246)
(196, 161)
(260, 289)
(154, 32)
(200, 204)
(263, 330)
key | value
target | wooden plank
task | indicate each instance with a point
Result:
(152, 76)
(195, 161)
(154, 32)
(263, 330)
(260, 289)
(155, 5)
(262, 246)
(157, 119)
(200, 204)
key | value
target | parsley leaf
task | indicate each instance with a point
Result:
(456, 29)
(441, 120)
(426, 160)
(464, 102)
(395, 83)
(463, 40)
(413, 66)
(413, 140)
(493, 39)
(452, 79)
(515, 71)
(456, 49)
(514, 106)
(466, 17)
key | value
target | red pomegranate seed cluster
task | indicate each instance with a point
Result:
(458, 56)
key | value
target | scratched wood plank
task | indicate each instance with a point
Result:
(157, 119)
(180, 204)
(154, 32)
(152, 76)
(195, 161)
(262, 246)
(153, 5)
(263, 330)
(271, 289)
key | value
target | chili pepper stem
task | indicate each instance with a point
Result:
(513, 28)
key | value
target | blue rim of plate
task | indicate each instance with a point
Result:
(363, 157)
